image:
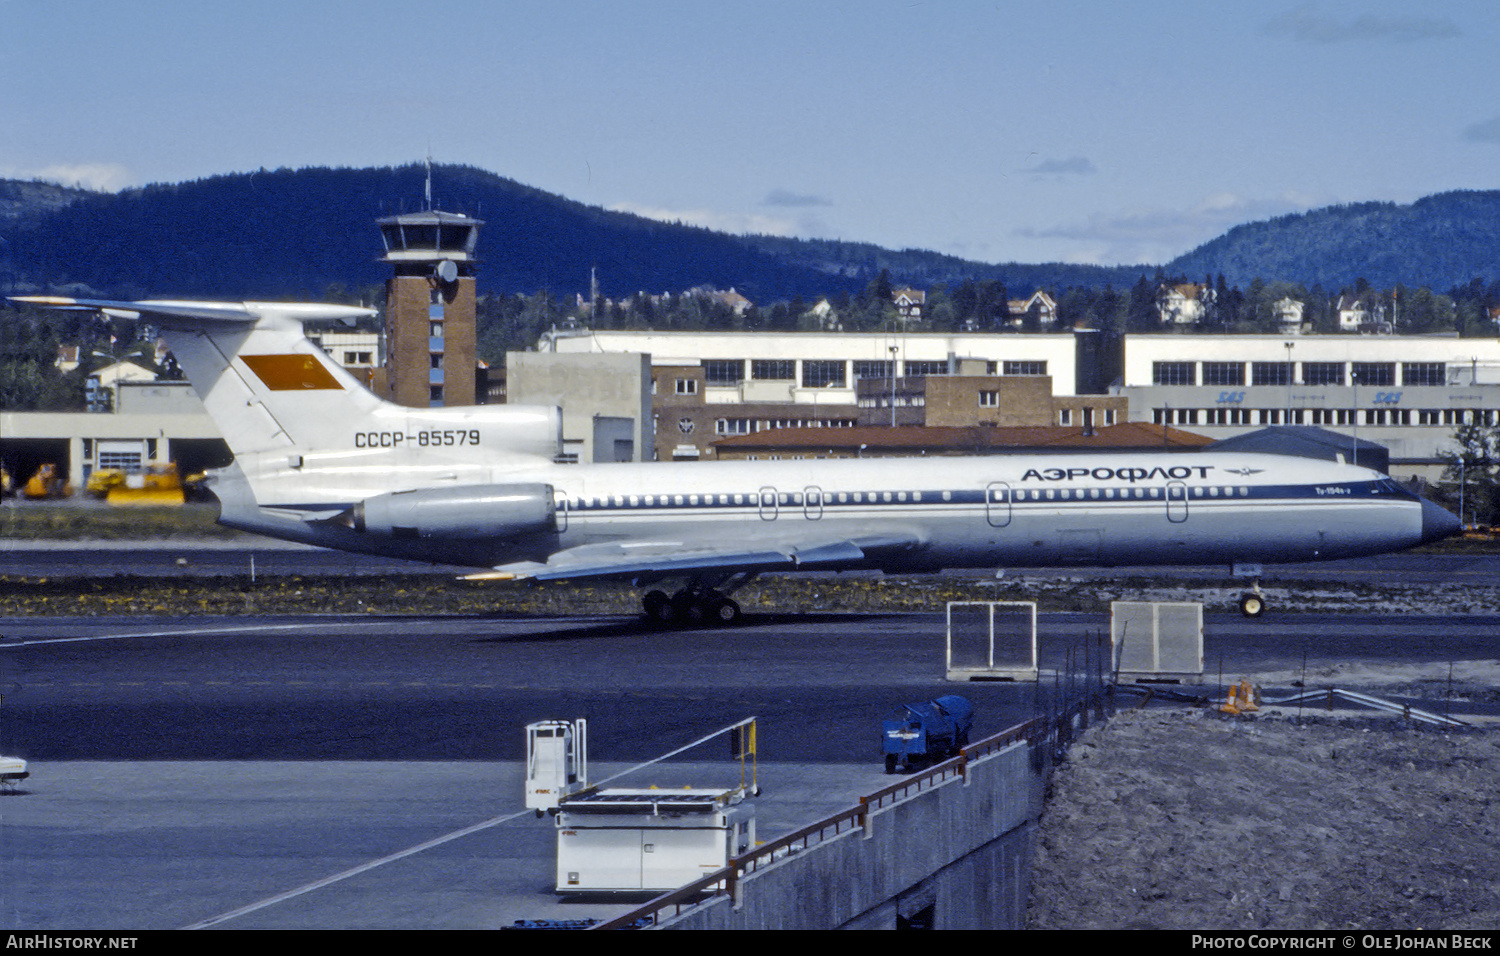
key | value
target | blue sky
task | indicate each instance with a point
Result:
(1049, 131)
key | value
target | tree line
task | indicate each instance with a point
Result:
(30, 338)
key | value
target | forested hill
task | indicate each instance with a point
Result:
(302, 233)
(1439, 242)
(26, 202)
(297, 232)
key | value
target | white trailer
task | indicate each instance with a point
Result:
(12, 772)
(629, 841)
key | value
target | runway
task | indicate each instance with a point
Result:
(215, 771)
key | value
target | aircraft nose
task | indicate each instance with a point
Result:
(1438, 523)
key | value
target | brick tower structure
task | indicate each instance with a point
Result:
(430, 332)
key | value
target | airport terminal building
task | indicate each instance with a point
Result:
(1407, 393)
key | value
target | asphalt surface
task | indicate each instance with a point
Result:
(264, 556)
(362, 772)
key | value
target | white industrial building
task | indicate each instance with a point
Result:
(824, 367)
(1408, 393)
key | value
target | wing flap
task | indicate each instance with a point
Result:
(664, 559)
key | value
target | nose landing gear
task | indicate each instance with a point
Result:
(1253, 602)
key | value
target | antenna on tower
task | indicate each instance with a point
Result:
(427, 192)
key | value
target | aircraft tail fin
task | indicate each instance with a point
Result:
(288, 410)
(265, 384)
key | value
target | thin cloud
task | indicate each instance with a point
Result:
(1486, 132)
(1305, 25)
(1160, 235)
(1072, 166)
(783, 197)
(734, 223)
(99, 177)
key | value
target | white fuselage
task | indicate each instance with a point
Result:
(1016, 511)
(320, 459)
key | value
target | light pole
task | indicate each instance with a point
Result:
(1463, 480)
(1289, 378)
(1354, 421)
(894, 350)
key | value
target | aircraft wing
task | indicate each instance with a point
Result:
(659, 559)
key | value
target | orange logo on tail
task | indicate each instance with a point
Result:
(282, 373)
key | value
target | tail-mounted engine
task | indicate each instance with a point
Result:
(467, 513)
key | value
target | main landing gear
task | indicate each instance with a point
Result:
(702, 603)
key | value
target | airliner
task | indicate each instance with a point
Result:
(320, 459)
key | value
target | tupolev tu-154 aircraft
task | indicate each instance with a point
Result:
(320, 459)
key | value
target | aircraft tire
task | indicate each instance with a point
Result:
(1252, 605)
(690, 610)
(658, 607)
(725, 611)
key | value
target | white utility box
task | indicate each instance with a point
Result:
(627, 841)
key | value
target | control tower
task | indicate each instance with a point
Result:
(430, 324)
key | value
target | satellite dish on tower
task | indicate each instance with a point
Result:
(447, 272)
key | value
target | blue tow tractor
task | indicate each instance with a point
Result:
(926, 733)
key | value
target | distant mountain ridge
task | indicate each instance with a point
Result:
(1440, 241)
(299, 233)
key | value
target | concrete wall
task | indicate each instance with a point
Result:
(953, 857)
(587, 387)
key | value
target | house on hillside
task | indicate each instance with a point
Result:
(909, 303)
(824, 316)
(1046, 309)
(736, 303)
(1368, 313)
(1184, 303)
(1289, 315)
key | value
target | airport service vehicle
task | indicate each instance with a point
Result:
(926, 733)
(320, 459)
(12, 772)
(629, 840)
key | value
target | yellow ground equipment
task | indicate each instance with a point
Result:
(46, 483)
(157, 485)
